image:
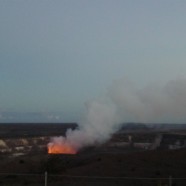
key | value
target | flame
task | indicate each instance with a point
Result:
(60, 149)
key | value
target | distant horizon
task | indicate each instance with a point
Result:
(124, 123)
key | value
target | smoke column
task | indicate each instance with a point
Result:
(126, 103)
(97, 127)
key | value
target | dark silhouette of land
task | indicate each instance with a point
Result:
(103, 165)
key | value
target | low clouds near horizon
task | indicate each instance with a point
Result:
(128, 103)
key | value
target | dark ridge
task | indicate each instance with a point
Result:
(14, 130)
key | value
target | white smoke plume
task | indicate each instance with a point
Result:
(152, 104)
(124, 102)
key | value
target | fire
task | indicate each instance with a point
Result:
(60, 149)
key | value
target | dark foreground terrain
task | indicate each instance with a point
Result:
(112, 166)
(101, 169)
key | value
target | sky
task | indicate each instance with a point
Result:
(55, 56)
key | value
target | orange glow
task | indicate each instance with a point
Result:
(60, 149)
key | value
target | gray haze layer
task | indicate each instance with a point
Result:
(126, 102)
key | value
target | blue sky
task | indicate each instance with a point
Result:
(57, 55)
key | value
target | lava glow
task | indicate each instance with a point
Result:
(60, 149)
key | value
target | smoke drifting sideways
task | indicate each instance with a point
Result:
(124, 103)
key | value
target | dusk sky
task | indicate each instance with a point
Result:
(57, 55)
